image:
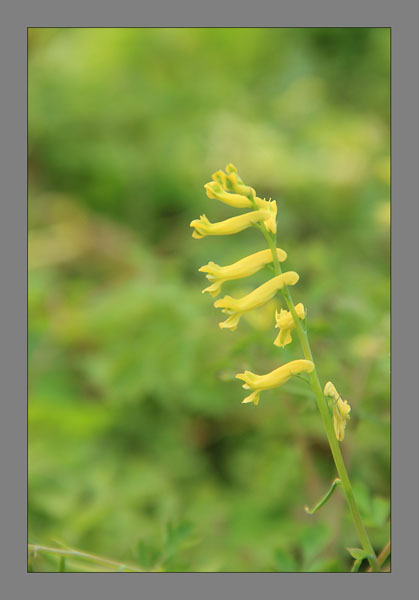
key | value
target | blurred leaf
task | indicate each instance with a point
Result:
(61, 565)
(313, 541)
(358, 553)
(176, 536)
(147, 554)
(285, 562)
(380, 510)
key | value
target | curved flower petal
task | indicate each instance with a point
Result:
(215, 191)
(275, 378)
(242, 268)
(204, 227)
(260, 296)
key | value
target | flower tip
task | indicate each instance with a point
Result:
(329, 389)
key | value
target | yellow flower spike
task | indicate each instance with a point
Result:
(204, 227)
(274, 379)
(235, 307)
(341, 410)
(242, 268)
(215, 191)
(285, 322)
(229, 188)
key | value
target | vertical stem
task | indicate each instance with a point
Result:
(325, 416)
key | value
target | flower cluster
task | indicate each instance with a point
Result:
(229, 188)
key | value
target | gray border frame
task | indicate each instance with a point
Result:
(16, 583)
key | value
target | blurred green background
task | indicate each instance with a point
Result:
(139, 446)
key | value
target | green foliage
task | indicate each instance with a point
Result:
(357, 553)
(139, 447)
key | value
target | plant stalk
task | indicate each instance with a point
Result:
(324, 413)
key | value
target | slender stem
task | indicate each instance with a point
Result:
(70, 552)
(384, 554)
(324, 413)
(356, 565)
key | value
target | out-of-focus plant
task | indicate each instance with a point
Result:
(229, 188)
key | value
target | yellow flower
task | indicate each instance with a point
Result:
(229, 188)
(341, 410)
(232, 182)
(215, 191)
(285, 322)
(274, 379)
(270, 205)
(235, 307)
(204, 227)
(242, 268)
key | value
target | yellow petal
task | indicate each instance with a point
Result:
(275, 378)
(330, 390)
(260, 296)
(204, 227)
(215, 190)
(253, 397)
(270, 205)
(283, 338)
(285, 322)
(232, 182)
(242, 268)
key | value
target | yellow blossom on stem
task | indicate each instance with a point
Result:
(232, 182)
(235, 307)
(341, 410)
(215, 191)
(285, 322)
(274, 379)
(242, 268)
(270, 205)
(229, 188)
(204, 227)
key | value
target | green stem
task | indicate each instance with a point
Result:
(77, 554)
(356, 565)
(324, 413)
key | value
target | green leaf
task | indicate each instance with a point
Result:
(380, 510)
(358, 553)
(147, 555)
(175, 537)
(61, 565)
(314, 539)
(285, 562)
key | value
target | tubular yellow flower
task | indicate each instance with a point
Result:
(204, 227)
(242, 268)
(274, 379)
(341, 410)
(235, 307)
(215, 191)
(285, 322)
